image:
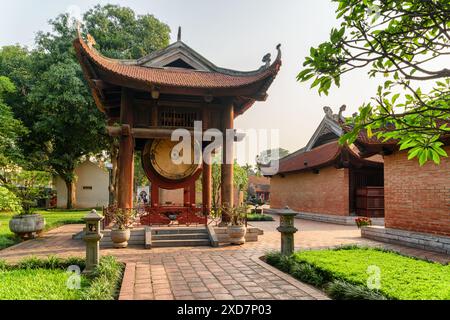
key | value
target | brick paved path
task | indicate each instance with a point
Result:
(227, 272)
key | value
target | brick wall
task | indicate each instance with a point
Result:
(417, 198)
(326, 192)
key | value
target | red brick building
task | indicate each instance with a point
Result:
(325, 181)
(323, 177)
(416, 198)
(259, 187)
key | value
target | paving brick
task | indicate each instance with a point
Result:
(226, 272)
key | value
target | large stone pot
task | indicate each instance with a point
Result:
(120, 238)
(236, 234)
(27, 226)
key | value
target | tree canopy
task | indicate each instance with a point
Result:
(407, 43)
(10, 129)
(52, 98)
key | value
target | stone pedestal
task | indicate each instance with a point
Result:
(92, 238)
(287, 230)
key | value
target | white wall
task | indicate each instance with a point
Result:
(88, 175)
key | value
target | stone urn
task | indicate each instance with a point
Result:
(27, 226)
(120, 238)
(236, 234)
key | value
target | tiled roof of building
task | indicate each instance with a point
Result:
(176, 77)
(317, 157)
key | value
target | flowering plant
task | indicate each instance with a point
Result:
(362, 222)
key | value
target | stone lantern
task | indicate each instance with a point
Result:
(92, 238)
(287, 230)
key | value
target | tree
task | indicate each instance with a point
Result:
(66, 121)
(10, 131)
(29, 187)
(121, 34)
(54, 102)
(240, 181)
(405, 42)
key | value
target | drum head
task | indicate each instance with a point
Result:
(166, 159)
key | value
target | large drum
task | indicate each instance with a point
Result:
(166, 159)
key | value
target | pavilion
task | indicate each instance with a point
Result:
(144, 100)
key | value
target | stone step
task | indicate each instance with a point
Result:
(181, 236)
(161, 231)
(181, 243)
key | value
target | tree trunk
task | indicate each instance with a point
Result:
(70, 194)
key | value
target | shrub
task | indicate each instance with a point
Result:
(9, 201)
(308, 274)
(342, 290)
(105, 281)
(259, 217)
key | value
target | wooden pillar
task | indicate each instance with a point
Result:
(187, 196)
(227, 161)
(126, 152)
(207, 169)
(206, 188)
(154, 195)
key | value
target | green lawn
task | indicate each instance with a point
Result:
(401, 277)
(39, 284)
(53, 218)
(49, 279)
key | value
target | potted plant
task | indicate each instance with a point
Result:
(258, 204)
(28, 186)
(237, 229)
(120, 232)
(363, 222)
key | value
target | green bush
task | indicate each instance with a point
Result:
(342, 290)
(259, 217)
(308, 274)
(105, 281)
(9, 201)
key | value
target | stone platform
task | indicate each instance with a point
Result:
(329, 218)
(418, 240)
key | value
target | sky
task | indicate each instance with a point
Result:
(233, 34)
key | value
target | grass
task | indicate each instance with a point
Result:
(47, 279)
(344, 273)
(259, 217)
(53, 218)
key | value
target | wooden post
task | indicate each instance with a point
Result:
(187, 196)
(206, 188)
(154, 195)
(207, 168)
(227, 161)
(126, 152)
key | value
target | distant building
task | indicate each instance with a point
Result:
(91, 187)
(326, 179)
(259, 187)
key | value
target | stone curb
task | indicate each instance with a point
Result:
(128, 281)
(314, 292)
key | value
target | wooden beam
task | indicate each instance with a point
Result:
(142, 133)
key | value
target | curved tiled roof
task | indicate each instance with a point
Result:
(174, 77)
(317, 157)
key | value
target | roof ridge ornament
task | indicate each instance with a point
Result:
(91, 41)
(267, 59)
(179, 34)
